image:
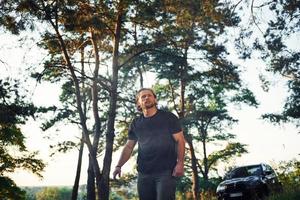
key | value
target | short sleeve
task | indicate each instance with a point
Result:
(174, 124)
(131, 133)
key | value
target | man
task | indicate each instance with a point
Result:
(161, 148)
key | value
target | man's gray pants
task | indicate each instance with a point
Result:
(158, 186)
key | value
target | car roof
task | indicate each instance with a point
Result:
(251, 165)
(261, 164)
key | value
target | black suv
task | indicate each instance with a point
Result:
(249, 182)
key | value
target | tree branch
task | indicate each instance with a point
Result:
(253, 17)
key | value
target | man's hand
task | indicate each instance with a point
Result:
(178, 170)
(125, 155)
(117, 172)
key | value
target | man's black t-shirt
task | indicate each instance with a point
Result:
(156, 147)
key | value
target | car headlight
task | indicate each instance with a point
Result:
(221, 188)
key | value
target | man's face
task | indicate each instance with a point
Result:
(146, 99)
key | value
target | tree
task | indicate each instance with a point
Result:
(14, 111)
(289, 172)
(53, 13)
(100, 26)
(274, 28)
(188, 38)
(285, 59)
(199, 76)
(53, 193)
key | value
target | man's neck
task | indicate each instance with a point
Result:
(149, 112)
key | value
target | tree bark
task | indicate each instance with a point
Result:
(104, 193)
(90, 187)
(195, 177)
(79, 163)
(189, 140)
(77, 177)
(205, 162)
(85, 133)
(97, 132)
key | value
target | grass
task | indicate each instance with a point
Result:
(287, 194)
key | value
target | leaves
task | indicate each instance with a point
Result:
(9, 190)
(231, 150)
(277, 48)
(183, 42)
(13, 152)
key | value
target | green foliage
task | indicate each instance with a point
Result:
(48, 194)
(10, 20)
(183, 184)
(209, 121)
(67, 40)
(30, 192)
(188, 51)
(288, 194)
(9, 190)
(207, 188)
(123, 194)
(288, 173)
(197, 80)
(277, 48)
(14, 111)
(245, 96)
(126, 180)
(59, 192)
(54, 193)
(232, 149)
(124, 187)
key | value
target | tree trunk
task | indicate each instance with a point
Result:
(205, 163)
(97, 132)
(141, 76)
(85, 133)
(79, 163)
(90, 186)
(104, 193)
(189, 140)
(77, 178)
(195, 177)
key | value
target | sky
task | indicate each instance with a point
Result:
(266, 143)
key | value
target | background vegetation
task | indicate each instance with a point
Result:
(99, 53)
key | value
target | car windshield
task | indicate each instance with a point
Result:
(245, 171)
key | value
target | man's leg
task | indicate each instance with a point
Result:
(146, 187)
(165, 186)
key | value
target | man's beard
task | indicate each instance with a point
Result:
(148, 106)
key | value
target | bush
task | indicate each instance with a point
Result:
(54, 193)
(289, 176)
(287, 194)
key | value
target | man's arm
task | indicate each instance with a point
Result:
(124, 157)
(179, 168)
